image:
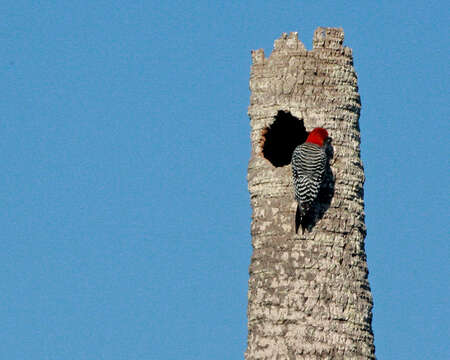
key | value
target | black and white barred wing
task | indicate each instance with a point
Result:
(308, 167)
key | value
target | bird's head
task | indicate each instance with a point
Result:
(317, 136)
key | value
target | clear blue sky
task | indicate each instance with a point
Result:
(125, 217)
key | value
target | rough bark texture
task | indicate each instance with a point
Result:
(309, 296)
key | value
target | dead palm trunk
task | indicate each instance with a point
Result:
(309, 296)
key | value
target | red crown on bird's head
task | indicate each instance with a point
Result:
(317, 136)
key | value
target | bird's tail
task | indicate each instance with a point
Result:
(301, 218)
(298, 219)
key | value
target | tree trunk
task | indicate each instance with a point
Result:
(309, 296)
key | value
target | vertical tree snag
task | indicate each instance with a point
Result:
(309, 296)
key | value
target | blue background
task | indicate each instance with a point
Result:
(125, 218)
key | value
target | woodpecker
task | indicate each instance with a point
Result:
(308, 166)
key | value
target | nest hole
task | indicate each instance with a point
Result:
(279, 140)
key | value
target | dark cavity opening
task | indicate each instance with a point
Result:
(280, 139)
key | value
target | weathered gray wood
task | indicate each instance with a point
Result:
(309, 296)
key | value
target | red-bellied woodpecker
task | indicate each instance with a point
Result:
(308, 166)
